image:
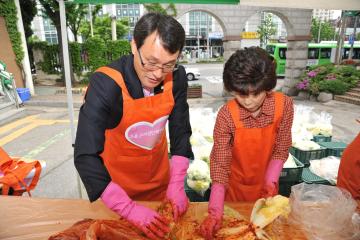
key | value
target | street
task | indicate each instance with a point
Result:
(210, 79)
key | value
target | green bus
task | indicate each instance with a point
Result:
(318, 53)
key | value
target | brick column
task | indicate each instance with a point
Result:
(296, 60)
(231, 44)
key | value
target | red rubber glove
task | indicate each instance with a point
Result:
(272, 175)
(213, 221)
(147, 220)
(175, 192)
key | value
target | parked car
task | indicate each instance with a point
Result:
(192, 73)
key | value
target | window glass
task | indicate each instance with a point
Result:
(325, 53)
(313, 53)
(282, 53)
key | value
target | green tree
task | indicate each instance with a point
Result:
(28, 12)
(157, 7)
(84, 25)
(102, 28)
(266, 29)
(327, 31)
(75, 15)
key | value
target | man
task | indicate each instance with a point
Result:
(121, 150)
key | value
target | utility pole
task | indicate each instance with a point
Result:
(354, 38)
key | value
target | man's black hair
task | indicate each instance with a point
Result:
(170, 31)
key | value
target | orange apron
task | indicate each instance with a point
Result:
(251, 153)
(135, 152)
(349, 169)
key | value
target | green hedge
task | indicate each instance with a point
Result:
(50, 63)
(75, 55)
(92, 54)
(96, 50)
(117, 49)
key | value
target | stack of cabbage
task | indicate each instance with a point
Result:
(202, 125)
(198, 176)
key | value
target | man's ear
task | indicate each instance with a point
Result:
(133, 47)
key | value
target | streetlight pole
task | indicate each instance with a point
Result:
(340, 41)
(198, 37)
(319, 33)
(113, 28)
(207, 31)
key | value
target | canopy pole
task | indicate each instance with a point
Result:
(65, 48)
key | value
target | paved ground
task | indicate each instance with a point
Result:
(59, 180)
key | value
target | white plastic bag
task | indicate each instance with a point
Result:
(323, 212)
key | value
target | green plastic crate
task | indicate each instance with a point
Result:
(310, 177)
(321, 138)
(304, 156)
(292, 174)
(334, 148)
(285, 188)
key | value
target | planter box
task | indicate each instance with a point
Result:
(194, 92)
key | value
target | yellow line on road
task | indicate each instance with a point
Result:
(32, 122)
(15, 124)
(17, 133)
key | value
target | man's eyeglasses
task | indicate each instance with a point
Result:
(149, 66)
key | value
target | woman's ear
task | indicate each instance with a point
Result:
(133, 47)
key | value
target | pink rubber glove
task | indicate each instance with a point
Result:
(175, 191)
(148, 221)
(272, 175)
(213, 221)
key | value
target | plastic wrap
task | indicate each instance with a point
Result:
(320, 124)
(323, 212)
(301, 119)
(326, 168)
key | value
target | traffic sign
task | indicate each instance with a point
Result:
(351, 13)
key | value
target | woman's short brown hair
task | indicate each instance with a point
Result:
(250, 70)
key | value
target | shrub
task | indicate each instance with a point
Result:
(329, 78)
(336, 87)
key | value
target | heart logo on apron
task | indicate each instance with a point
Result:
(146, 135)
